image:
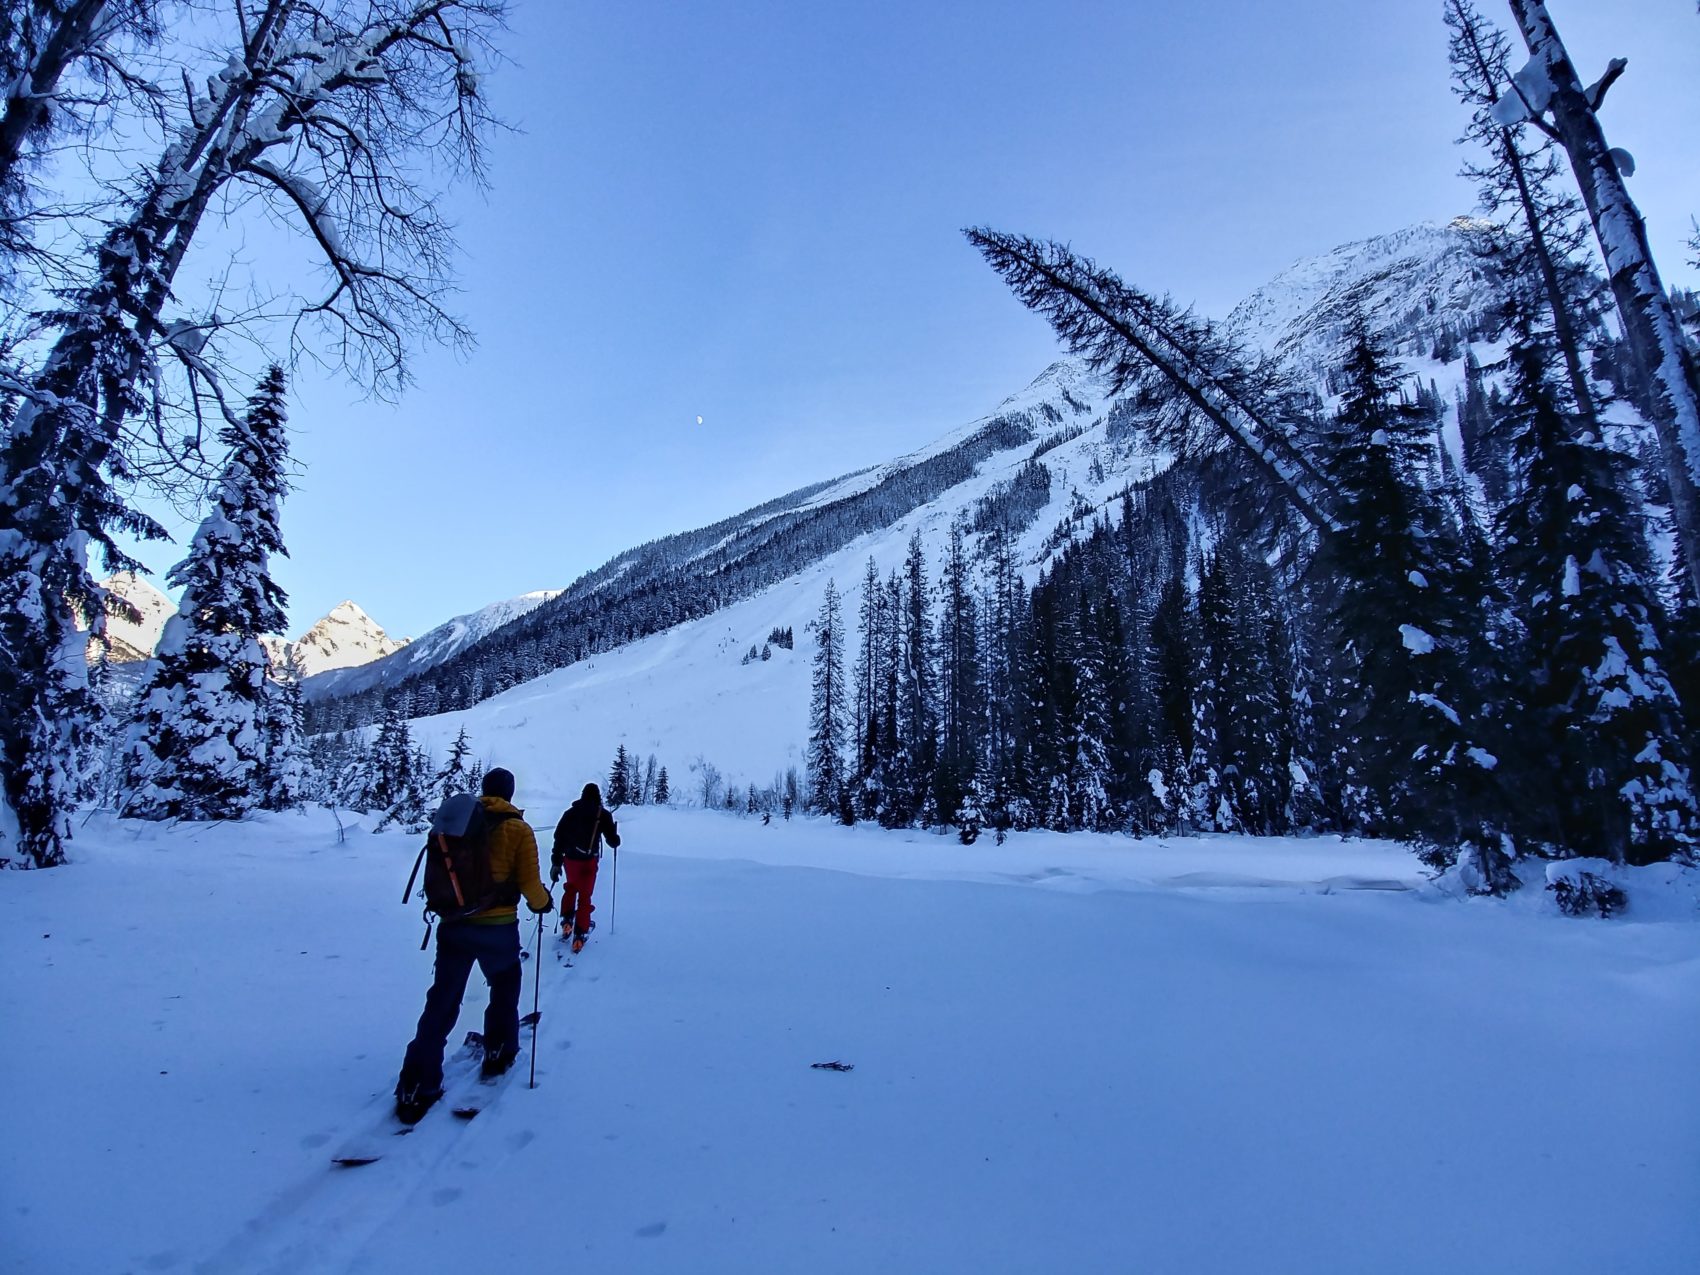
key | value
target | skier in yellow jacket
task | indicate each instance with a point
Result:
(489, 939)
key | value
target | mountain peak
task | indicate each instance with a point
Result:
(1409, 283)
(131, 640)
(345, 637)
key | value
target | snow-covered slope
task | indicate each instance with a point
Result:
(345, 638)
(426, 652)
(132, 640)
(686, 693)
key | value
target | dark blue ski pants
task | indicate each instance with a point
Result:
(461, 945)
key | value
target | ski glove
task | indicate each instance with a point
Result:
(548, 906)
(554, 873)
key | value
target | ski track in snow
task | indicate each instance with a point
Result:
(1070, 1053)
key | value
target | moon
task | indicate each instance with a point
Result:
(699, 420)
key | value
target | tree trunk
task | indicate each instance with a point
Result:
(1649, 321)
(35, 88)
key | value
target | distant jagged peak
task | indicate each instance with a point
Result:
(417, 655)
(345, 637)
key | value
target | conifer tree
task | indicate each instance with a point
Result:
(1540, 235)
(456, 774)
(1576, 558)
(1213, 763)
(960, 698)
(200, 734)
(1407, 637)
(620, 779)
(663, 790)
(1085, 753)
(868, 681)
(1005, 610)
(889, 779)
(917, 710)
(1255, 711)
(284, 775)
(829, 708)
(1173, 647)
(399, 782)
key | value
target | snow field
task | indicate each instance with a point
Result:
(1071, 1054)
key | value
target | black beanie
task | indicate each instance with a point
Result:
(499, 783)
(591, 793)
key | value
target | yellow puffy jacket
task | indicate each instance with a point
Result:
(513, 857)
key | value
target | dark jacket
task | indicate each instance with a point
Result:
(582, 831)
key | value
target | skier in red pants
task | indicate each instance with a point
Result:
(577, 851)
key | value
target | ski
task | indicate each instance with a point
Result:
(480, 1096)
(378, 1137)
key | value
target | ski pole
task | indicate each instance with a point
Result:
(614, 892)
(536, 992)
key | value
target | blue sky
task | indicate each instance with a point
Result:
(751, 212)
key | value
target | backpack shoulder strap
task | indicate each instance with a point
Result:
(414, 875)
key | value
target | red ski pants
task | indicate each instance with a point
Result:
(575, 894)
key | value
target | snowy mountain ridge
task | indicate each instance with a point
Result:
(433, 648)
(1426, 280)
(345, 638)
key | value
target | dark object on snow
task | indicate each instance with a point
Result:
(833, 1066)
(499, 783)
(1587, 894)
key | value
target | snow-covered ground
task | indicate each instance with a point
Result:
(1071, 1054)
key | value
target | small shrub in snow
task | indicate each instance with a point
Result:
(1586, 894)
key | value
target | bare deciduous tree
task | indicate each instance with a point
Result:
(332, 114)
(41, 42)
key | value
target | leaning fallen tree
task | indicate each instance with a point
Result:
(1131, 338)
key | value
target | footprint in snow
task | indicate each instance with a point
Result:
(445, 1195)
(651, 1231)
(524, 1138)
(314, 1140)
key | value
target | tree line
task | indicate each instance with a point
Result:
(1484, 681)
